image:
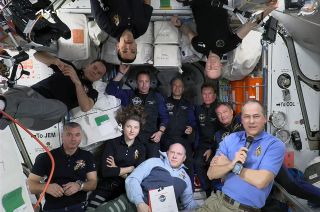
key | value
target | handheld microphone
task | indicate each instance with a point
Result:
(238, 166)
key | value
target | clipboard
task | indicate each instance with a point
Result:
(163, 200)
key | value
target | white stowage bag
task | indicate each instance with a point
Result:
(99, 123)
(167, 56)
(244, 58)
(144, 54)
(165, 33)
(77, 47)
(145, 47)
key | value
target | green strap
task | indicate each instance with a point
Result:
(165, 4)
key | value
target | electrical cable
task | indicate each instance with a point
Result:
(44, 147)
(32, 26)
(22, 72)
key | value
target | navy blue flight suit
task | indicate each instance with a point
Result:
(207, 125)
(181, 115)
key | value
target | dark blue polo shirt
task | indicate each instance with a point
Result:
(68, 168)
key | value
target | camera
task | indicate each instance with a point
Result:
(296, 140)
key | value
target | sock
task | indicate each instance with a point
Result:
(2, 104)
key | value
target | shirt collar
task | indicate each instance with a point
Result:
(256, 138)
(65, 154)
(213, 105)
(122, 141)
(231, 127)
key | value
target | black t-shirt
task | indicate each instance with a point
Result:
(67, 169)
(214, 33)
(123, 155)
(61, 87)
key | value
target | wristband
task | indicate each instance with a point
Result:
(161, 131)
(120, 73)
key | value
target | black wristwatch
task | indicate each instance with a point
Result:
(81, 184)
(237, 168)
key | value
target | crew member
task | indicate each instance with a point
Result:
(125, 20)
(181, 122)
(47, 102)
(248, 161)
(207, 125)
(214, 36)
(74, 174)
(120, 156)
(153, 103)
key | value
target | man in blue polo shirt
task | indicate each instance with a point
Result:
(74, 175)
(246, 188)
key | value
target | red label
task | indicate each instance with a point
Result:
(289, 159)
